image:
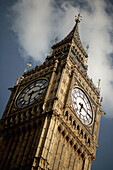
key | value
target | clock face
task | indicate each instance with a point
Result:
(31, 93)
(82, 106)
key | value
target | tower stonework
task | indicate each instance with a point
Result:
(52, 118)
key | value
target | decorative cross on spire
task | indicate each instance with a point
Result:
(78, 19)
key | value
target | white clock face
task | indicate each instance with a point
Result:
(31, 93)
(82, 106)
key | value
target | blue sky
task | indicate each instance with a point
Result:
(28, 31)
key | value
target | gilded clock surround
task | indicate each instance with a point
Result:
(47, 134)
(31, 93)
(26, 87)
(92, 108)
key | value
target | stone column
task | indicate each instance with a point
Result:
(50, 133)
(50, 83)
(21, 152)
(17, 150)
(52, 141)
(11, 152)
(28, 147)
(76, 161)
(6, 151)
(34, 145)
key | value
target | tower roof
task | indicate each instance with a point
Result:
(73, 35)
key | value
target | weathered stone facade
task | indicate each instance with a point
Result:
(48, 134)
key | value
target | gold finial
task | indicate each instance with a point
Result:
(86, 60)
(56, 39)
(28, 65)
(22, 77)
(50, 52)
(101, 100)
(99, 82)
(17, 80)
(87, 47)
(78, 19)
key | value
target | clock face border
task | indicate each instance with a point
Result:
(33, 81)
(83, 91)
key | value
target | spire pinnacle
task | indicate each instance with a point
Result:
(87, 47)
(99, 82)
(56, 39)
(78, 19)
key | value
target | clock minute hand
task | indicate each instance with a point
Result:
(32, 92)
(39, 89)
(87, 112)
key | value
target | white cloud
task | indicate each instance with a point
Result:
(37, 23)
(32, 24)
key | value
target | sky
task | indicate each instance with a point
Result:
(28, 30)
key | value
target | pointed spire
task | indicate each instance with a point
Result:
(77, 20)
(74, 34)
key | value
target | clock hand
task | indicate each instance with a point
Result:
(81, 106)
(87, 112)
(39, 89)
(30, 94)
(29, 99)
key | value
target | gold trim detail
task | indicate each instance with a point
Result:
(25, 88)
(92, 109)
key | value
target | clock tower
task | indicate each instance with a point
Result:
(52, 118)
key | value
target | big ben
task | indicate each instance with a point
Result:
(52, 118)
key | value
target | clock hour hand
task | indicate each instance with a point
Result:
(35, 91)
(81, 106)
(30, 94)
(39, 89)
